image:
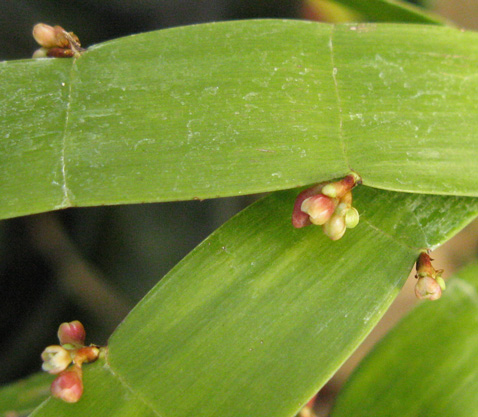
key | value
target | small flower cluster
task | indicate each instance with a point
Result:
(328, 205)
(56, 42)
(68, 385)
(430, 284)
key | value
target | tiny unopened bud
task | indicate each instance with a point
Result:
(331, 190)
(335, 227)
(424, 266)
(441, 283)
(68, 386)
(300, 218)
(340, 188)
(45, 35)
(72, 333)
(86, 354)
(427, 288)
(40, 53)
(352, 217)
(341, 209)
(319, 207)
(55, 359)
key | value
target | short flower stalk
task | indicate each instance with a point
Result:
(328, 205)
(66, 360)
(430, 284)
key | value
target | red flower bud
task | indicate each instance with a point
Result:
(319, 208)
(299, 218)
(425, 268)
(68, 386)
(72, 333)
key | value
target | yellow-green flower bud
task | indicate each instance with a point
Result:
(352, 217)
(441, 283)
(335, 227)
(55, 359)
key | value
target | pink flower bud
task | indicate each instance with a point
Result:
(424, 266)
(72, 333)
(299, 218)
(319, 208)
(335, 227)
(68, 386)
(55, 359)
(427, 288)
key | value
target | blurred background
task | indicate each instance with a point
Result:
(95, 264)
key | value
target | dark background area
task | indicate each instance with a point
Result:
(96, 21)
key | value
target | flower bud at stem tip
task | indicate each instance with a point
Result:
(72, 333)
